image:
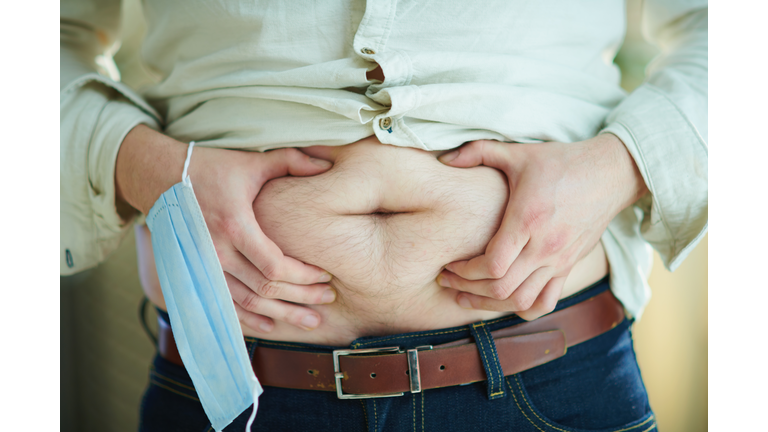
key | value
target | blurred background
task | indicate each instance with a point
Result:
(105, 354)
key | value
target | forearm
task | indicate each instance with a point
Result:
(148, 164)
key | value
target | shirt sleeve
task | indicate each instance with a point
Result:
(663, 124)
(96, 113)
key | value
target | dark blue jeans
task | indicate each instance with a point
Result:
(596, 386)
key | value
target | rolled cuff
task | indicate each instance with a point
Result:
(94, 121)
(672, 158)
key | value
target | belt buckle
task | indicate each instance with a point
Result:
(413, 368)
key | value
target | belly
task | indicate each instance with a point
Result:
(384, 221)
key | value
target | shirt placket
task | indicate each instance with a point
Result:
(371, 44)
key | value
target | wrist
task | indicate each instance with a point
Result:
(624, 174)
(148, 163)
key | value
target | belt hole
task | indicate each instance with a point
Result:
(373, 374)
(406, 372)
(442, 367)
(312, 372)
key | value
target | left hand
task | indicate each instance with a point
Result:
(562, 197)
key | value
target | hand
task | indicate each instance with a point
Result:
(562, 197)
(264, 283)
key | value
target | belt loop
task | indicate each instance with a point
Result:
(490, 358)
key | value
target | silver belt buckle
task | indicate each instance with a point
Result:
(413, 370)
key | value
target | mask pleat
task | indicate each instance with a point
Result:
(202, 313)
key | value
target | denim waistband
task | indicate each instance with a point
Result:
(428, 337)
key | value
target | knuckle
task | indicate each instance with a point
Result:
(270, 289)
(229, 226)
(522, 301)
(499, 291)
(251, 302)
(496, 268)
(534, 217)
(271, 270)
(552, 244)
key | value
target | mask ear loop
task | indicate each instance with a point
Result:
(255, 407)
(184, 175)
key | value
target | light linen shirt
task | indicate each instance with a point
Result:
(260, 75)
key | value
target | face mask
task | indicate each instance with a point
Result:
(202, 312)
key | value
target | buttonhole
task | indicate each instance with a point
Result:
(442, 367)
(373, 374)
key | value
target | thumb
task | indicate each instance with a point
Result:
(489, 153)
(279, 163)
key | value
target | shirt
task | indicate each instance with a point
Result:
(259, 75)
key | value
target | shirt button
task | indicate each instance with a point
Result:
(385, 123)
(367, 51)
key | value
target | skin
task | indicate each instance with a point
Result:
(552, 220)
(264, 282)
(562, 197)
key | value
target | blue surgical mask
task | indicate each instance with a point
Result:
(203, 317)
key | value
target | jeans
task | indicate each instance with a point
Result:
(595, 386)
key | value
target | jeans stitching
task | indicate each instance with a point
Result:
(413, 402)
(522, 396)
(365, 413)
(375, 417)
(422, 411)
(496, 363)
(482, 351)
(638, 425)
(511, 390)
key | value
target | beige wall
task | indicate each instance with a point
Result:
(671, 343)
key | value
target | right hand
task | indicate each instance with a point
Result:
(264, 283)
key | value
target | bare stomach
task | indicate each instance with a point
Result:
(384, 221)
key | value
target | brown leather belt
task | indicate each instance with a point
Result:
(375, 373)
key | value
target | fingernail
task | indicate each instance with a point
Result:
(310, 321)
(464, 302)
(320, 162)
(329, 296)
(266, 328)
(443, 281)
(326, 277)
(449, 156)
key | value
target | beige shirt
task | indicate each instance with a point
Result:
(263, 75)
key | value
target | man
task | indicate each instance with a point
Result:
(385, 219)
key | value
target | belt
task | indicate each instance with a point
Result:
(390, 371)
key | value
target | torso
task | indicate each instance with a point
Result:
(385, 221)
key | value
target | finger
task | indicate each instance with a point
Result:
(254, 321)
(269, 259)
(528, 292)
(499, 289)
(546, 301)
(502, 250)
(484, 152)
(249, 275)
(299, 316)
(279, 163)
